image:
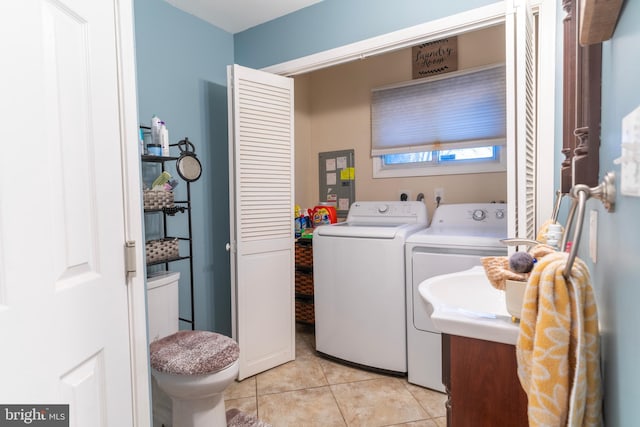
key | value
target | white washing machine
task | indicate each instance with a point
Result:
(459, 235)
(359, 284)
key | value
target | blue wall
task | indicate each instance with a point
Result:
(617, 271)
(334, 23)
(181, 70)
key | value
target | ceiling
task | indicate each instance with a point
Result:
(234, 16)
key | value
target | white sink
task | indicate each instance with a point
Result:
(466, 304)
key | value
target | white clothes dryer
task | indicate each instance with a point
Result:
(359, 284)
(459, 235)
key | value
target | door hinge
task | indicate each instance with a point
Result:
(130, 258)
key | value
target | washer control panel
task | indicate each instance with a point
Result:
(471, 214)
(391, 211)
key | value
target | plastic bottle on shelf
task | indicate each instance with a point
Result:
(164, 139)
(297, 219)
(143, 149)
(155, 129)
(324, 213)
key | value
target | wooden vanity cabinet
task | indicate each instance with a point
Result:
(482, 384)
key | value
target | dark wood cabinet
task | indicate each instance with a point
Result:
(482, 384)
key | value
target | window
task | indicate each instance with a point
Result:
(458, 155)
(447, 124)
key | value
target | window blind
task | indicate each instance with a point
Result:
(457, 110)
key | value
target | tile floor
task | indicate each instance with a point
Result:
(312, 391)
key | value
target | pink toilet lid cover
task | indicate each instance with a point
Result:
(193, 353)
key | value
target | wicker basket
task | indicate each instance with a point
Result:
(162, 250)
(157, 199)
(304, 283)
(305, 312)
(304, 254)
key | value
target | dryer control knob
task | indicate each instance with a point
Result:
(500, 214)
(479, 215)
(383, 208)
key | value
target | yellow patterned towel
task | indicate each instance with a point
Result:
(558, 347)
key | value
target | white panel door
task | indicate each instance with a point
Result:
(261, 211)
(64, 319)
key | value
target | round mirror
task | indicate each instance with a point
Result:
(188, 165)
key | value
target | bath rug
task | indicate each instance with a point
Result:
(237, 418)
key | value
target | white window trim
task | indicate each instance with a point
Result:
(380, 170)
(401, 171)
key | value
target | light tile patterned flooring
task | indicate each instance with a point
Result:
(312, 391)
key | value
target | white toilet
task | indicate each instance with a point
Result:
(192, 367)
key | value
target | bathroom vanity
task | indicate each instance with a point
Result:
(479, 366)
(481, 381)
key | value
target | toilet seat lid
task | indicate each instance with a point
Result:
(193, 353)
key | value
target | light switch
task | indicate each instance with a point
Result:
(630, 159)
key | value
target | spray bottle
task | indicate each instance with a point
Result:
(164, 139)
(155, 130)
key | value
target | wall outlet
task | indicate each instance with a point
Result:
(407, 192)
(438, 192)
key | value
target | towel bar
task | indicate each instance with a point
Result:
(580, 193)
(605, 192)
(516, 241)
(556, 207)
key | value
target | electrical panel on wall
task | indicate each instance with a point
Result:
(337, 180)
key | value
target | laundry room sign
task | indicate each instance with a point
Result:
(436, 57)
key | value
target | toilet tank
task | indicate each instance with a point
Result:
(162, 304)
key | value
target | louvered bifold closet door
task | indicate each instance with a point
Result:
(527, 123)
(521, 61)
(261, 197)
